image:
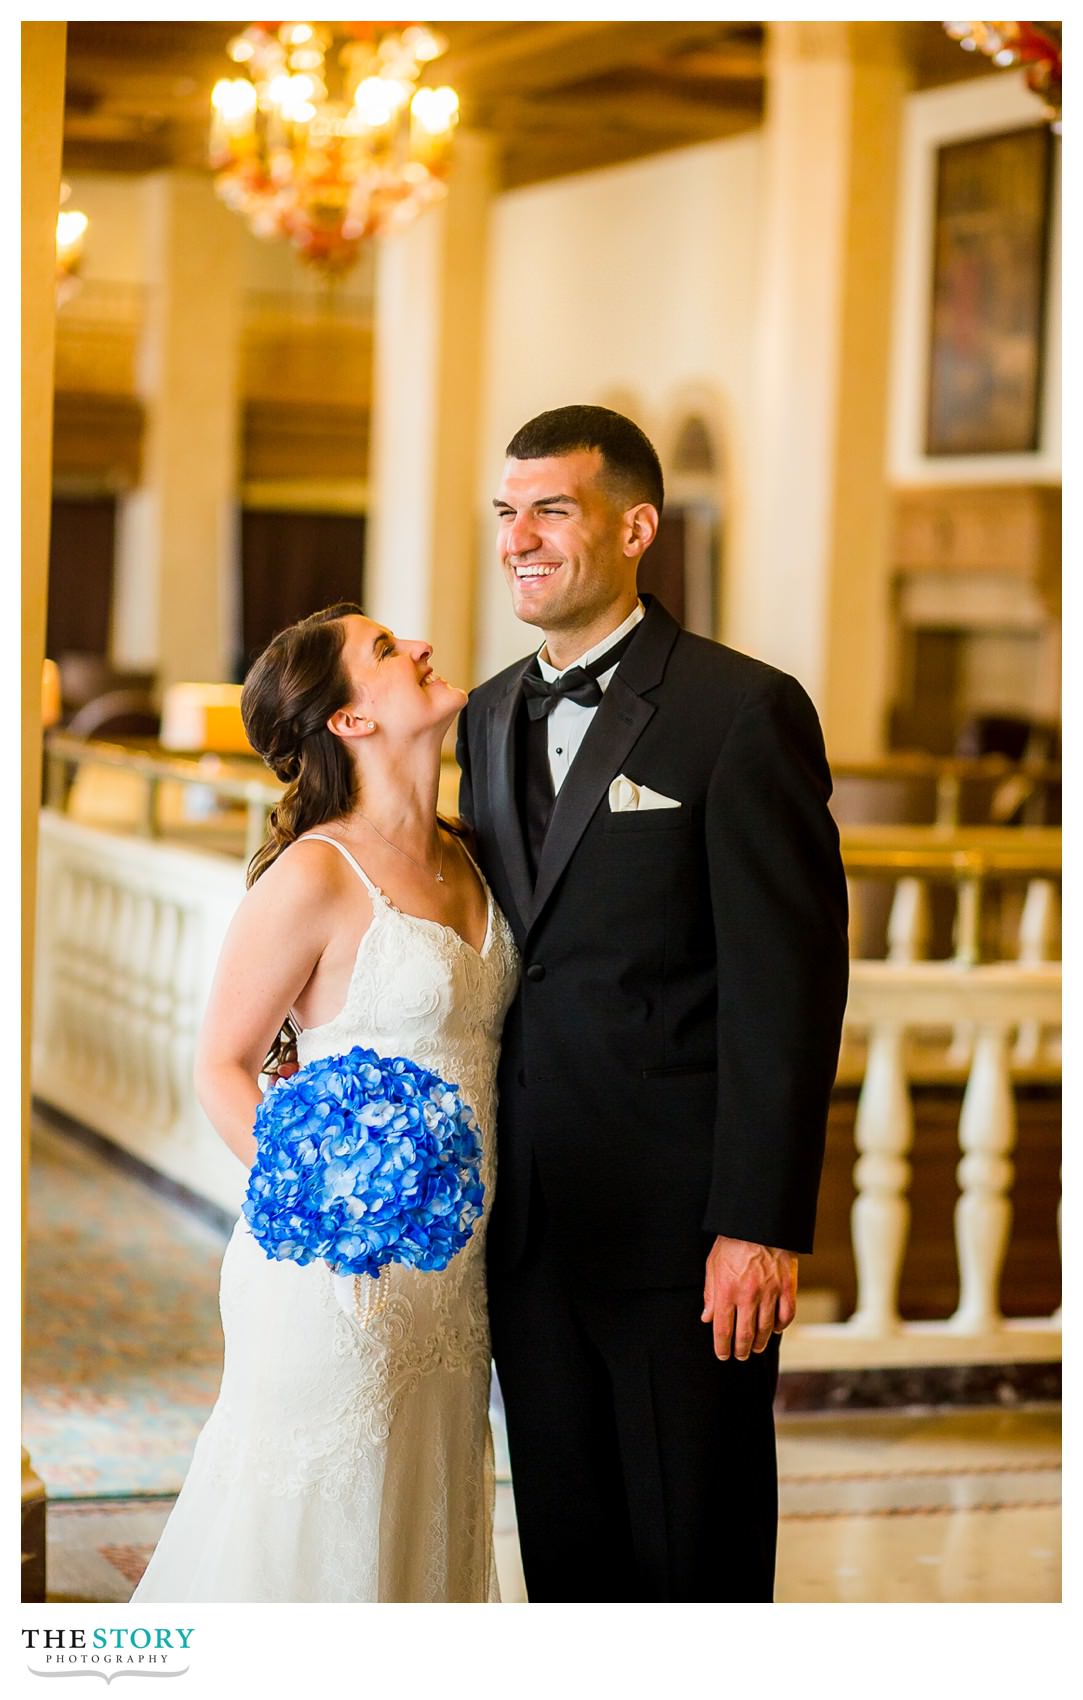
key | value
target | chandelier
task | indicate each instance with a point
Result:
(327, 138)
(71, 229)
(1037, 46)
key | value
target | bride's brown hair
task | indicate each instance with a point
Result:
(289, 694)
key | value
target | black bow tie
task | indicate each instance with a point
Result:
(578, 684)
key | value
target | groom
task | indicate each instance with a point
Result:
(650, 809)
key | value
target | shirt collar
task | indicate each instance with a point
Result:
(549, 672)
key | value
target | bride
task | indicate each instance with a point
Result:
(348, 1456)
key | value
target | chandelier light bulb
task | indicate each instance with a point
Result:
(436, 110)
(423, 43)
(234, 99)
(296, 111)
(297, 34)
(278, 89)
(1036, 47)
(376, 101)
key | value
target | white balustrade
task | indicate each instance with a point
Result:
(129, 933)
(994, 1000)
(128, 937)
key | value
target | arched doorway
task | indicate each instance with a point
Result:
(683, 567)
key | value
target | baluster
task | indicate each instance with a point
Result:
(57, 904)
(983, 1214)
(121, 964)
(968, 921)
(1037, 942)
(97, 1008)
(967, 954)
(99, 978)
(947, 799)
(80, 1015)
(185, 1017)
(162, 964)
(141, 936)
(880, 1219)
(908, 923)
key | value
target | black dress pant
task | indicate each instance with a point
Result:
(643, 1466)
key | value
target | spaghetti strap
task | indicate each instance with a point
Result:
(370, 886)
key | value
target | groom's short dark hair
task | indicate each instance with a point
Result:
(631, 465)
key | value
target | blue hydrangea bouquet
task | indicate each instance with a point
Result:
(363, 1161)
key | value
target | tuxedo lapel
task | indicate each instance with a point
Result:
(617, 725)
(616, 728)
(501, 750)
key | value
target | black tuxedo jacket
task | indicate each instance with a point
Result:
(668, 1061)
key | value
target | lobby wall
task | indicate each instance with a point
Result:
(634, 287)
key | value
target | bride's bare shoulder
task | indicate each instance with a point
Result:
(309, 871)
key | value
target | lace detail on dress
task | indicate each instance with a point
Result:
(349, 1456)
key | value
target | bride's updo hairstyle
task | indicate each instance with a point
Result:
(290, 693)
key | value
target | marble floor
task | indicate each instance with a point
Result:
(928, 1506)
(886, 1507)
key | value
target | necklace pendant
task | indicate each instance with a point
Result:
(439, 878)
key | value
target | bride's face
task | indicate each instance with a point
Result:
(393, 680)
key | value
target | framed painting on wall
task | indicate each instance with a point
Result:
(989, 266)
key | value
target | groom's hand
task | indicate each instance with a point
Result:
(749, 1293)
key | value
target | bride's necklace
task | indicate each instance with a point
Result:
(439, 874)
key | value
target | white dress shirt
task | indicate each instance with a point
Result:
(567, 723)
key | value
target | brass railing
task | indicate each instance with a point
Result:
(1013, 784)
(232, 784)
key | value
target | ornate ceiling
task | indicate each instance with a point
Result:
(560, 97)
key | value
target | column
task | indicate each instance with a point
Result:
(176, 568)
(427, 389)
(43, 47)
(812, 591)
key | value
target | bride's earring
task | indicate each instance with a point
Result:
(371, 724)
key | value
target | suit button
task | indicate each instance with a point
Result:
(535, 971)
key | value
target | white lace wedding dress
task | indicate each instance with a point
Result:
(349, 1456)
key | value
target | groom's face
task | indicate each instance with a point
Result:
(562, 540)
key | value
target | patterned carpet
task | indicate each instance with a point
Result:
(123, 1343)
(97, 1550)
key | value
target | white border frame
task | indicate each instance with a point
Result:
(933, 117)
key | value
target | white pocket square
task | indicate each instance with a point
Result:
(625, 796)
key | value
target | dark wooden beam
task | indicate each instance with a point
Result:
(587, 116)
(536, 58)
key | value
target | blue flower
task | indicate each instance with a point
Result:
(364, 1160)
